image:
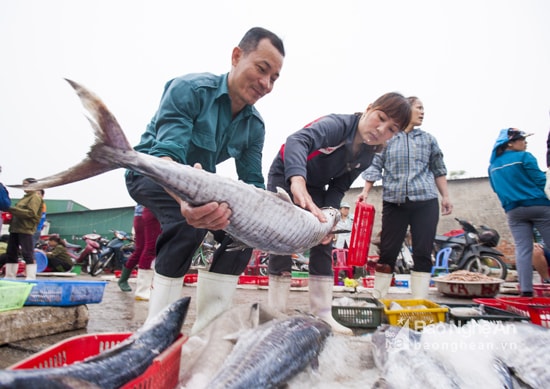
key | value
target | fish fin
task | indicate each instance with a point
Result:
(85, 169)
(283, 194)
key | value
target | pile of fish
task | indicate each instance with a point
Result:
(263, 352)
(494, 354)
(256, 214)
(112, 368)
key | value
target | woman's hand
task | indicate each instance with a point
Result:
(303, 199)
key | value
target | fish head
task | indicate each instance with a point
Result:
(332, 215)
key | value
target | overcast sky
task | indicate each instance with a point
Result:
(477, 65)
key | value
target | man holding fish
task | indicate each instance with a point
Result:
(203, 120)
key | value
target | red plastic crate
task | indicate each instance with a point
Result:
(190, 278)
(368, 282)
(133, 274)
(536, 308)
(163, 372)
(490, 302)
(541, 290)
(248, 280)
(361, 232)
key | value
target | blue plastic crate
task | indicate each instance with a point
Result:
(65, 293)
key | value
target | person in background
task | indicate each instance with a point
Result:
(547, 186)
(146, 233)
(316, 166)
(5, 201)
(541, 257)
(345, 223)
(515, 177)
(202, 121)
(36, 235)
(26, 215)
(4, 243)
(412, 171)
(58, 258)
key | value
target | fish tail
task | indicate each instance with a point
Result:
(107, 133)
(106, 128)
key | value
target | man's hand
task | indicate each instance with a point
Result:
(547, 186)
(212, 216)
(327, 239)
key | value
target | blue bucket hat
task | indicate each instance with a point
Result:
(507, 135)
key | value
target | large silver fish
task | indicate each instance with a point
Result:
(260, 219)
(114, 367)
(273, 353)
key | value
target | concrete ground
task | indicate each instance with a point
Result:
(120, 312)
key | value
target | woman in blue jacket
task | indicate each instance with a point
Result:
(519, 183)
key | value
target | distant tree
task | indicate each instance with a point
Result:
(456, 174)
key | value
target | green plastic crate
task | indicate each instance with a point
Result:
(359, 317)
(13, 294)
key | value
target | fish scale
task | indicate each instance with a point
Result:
(270, 355)
(260, 219)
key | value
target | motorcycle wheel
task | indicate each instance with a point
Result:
(101, 264)
(89, 262)
(264, 262)
(488, 264)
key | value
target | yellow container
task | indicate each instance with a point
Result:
(413, 316)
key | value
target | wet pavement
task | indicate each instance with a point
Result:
(120, 312)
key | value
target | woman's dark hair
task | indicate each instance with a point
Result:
(57, 239)
(250, 40)
(396, 106)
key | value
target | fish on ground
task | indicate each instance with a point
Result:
(260, 219)
(404, 364)
(204, 352)
(271, 354)
(496, 354)
(111, 368)
(343, 362)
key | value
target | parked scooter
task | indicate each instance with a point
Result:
(474, 250)
(87, 256)
(115, 254)
(300, 263)
(83, 256)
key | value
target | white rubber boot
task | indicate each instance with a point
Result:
(214, 296)
(11, 271)
(320, 301)
(420, 284)
(143, 284)
(278, 291)
(164, 291)
(382, 282)
(30, 270)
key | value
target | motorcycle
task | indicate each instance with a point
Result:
(473, 250)
(83, 256)
(87, 256)
(114, 254)
(260, 259)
